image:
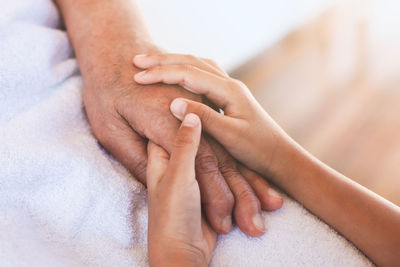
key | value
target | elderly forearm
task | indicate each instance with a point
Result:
(105, 33)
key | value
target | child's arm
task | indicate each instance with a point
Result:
(248, 133)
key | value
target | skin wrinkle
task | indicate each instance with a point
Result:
(105, 46)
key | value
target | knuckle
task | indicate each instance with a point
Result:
(184, 69)
(228, 167)
(227, 204)
(246, 195)
(138, 169)
(242, 191)
(229, 201)
(234, 84)
(204, 113)
(206, 164)
(240, 86)
(238, 83)
(223, 203)
(104, 132)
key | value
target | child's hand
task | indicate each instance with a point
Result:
(244, 129)
(178, 236)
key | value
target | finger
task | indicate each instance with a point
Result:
(218, 89)
(185, 148)
(270, 199)
(247, 208)
(149, 61)
(222, 128)
(216, 197)
(157, 164)
(126, 146)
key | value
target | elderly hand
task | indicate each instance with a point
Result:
(124, 114)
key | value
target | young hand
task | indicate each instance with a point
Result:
(251, 136)
(177, 235)
(244, 129)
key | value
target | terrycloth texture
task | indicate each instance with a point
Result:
(65, 202)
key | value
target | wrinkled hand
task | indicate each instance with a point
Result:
(124, 115)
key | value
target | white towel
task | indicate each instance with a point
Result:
(65, 202)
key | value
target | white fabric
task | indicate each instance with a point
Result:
(65, 202)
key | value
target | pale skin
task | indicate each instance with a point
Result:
(249, 134)
(124, 115)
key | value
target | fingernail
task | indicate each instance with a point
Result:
(227, 224)
(140, 56)
(178, 108)
(272, 193)
(140, 74)
(191, 120)
(258, 221)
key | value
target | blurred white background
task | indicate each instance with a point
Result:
(228, 31)
(326, 70)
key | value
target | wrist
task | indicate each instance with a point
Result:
(282, 158)
(112, 65)
(106, 35)
(294, 169)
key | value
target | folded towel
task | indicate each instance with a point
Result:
(65, 202)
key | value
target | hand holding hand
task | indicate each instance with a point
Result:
(124, 115)
(245, 129)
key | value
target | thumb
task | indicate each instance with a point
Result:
(186, 143)
(157, 163)
(219, 126)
